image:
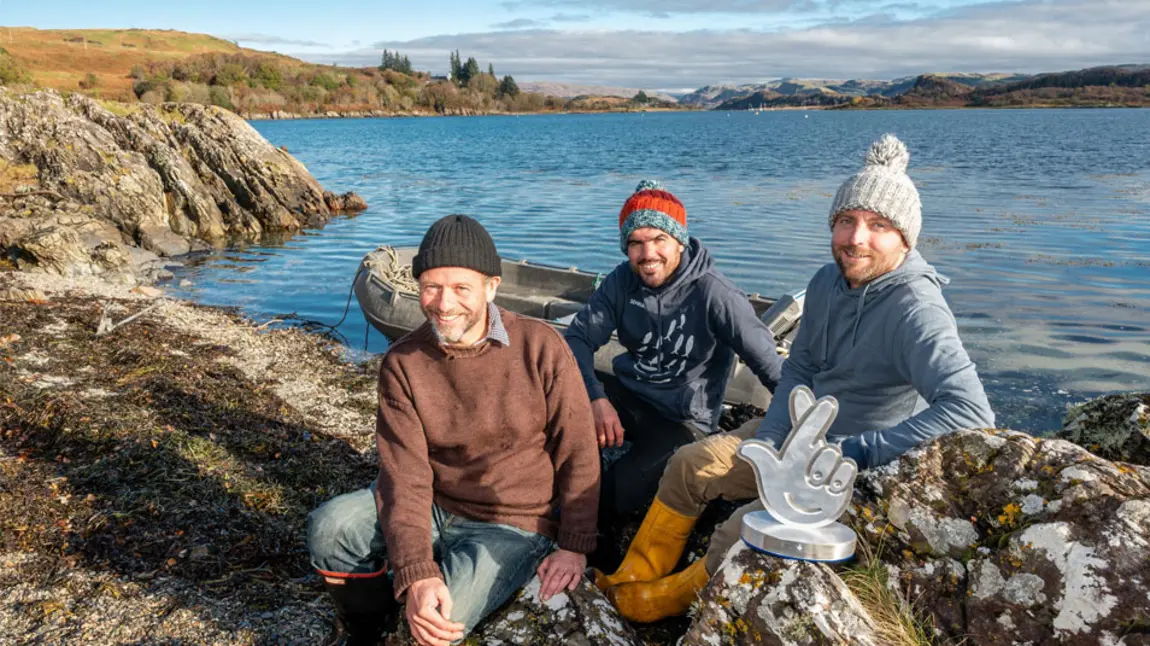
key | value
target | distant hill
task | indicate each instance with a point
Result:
(713, 96)
(1123, 85)
(572, 90)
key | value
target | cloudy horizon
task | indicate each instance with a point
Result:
(674, 45)
(1010, 37)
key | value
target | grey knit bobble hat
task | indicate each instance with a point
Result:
(883, 187)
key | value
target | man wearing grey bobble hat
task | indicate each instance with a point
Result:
(877, 335)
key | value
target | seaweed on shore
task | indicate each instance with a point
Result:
(142, 453)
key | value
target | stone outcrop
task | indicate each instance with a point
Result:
(997, 537)
(581, 617)
(761, 599)
(1116, 427)
(85, 190)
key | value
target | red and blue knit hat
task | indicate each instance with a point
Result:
(652, 205)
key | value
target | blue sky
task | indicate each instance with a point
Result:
(668, 44)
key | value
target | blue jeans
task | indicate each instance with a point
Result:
(483, 564)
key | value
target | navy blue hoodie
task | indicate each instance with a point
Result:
(889, 352)
(681, 338)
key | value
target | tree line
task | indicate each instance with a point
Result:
(263, 84)
(465, 74)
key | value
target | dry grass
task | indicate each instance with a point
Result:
(897, 621)
(18, 177)
(61, 58)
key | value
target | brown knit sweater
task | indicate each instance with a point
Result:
(495, 433)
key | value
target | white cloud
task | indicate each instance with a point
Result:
(1031, 36)
(569, 17)
(266, 39)
(518, 23)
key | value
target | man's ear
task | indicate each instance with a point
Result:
(492, 285)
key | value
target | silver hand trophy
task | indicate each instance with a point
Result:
(805, 487)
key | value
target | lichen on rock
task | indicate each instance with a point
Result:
(987, 537)
(1116, 427)
(582, 616)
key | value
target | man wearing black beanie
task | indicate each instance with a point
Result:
(487, 461)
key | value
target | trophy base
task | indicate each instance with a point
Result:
(762, 533)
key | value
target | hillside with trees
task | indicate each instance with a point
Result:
(170, 66)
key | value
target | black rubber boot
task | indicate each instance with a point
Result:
(364, 609)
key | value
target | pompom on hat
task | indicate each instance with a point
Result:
(652, 205)
(883, 187)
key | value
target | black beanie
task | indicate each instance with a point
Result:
(457, 241)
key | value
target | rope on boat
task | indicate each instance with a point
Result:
(392, 270)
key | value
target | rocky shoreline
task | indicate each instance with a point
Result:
(280, 115)
(155, 481)
(158, 458)
(117, 191)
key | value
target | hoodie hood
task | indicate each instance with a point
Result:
(857, 301)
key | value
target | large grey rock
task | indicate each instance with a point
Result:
(165, 179)
(1116, 427)
(1007, 538)
(997, 538)
(759, 599)
(582, 617)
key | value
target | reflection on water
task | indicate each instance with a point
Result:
(1041, 218)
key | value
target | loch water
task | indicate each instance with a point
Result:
(1040, 218)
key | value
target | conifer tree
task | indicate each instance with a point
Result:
(470, 71)
(456, 68)
(508, 87)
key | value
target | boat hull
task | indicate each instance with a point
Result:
(549, 293)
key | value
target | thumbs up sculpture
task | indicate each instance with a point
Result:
(805, 487)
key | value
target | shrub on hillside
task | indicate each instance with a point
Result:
(269, 76)
(325, 80)
(12, 72)
(221, 96)
(230, 74)
(484, 83)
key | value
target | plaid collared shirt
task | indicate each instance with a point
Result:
(495, 330)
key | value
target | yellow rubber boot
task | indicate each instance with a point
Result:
(671, 596)
(655, 549)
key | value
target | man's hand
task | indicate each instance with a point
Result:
(608, 428)
(560, 570)
(428, 611)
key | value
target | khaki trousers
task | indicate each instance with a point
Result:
(708, 470)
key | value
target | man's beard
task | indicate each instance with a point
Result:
(455, 332)
(861, 276)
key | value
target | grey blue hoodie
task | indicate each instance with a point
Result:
(681, 338)
(889, 352)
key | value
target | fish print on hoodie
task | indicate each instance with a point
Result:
(681, 338)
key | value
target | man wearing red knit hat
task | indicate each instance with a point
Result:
(682, 323)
